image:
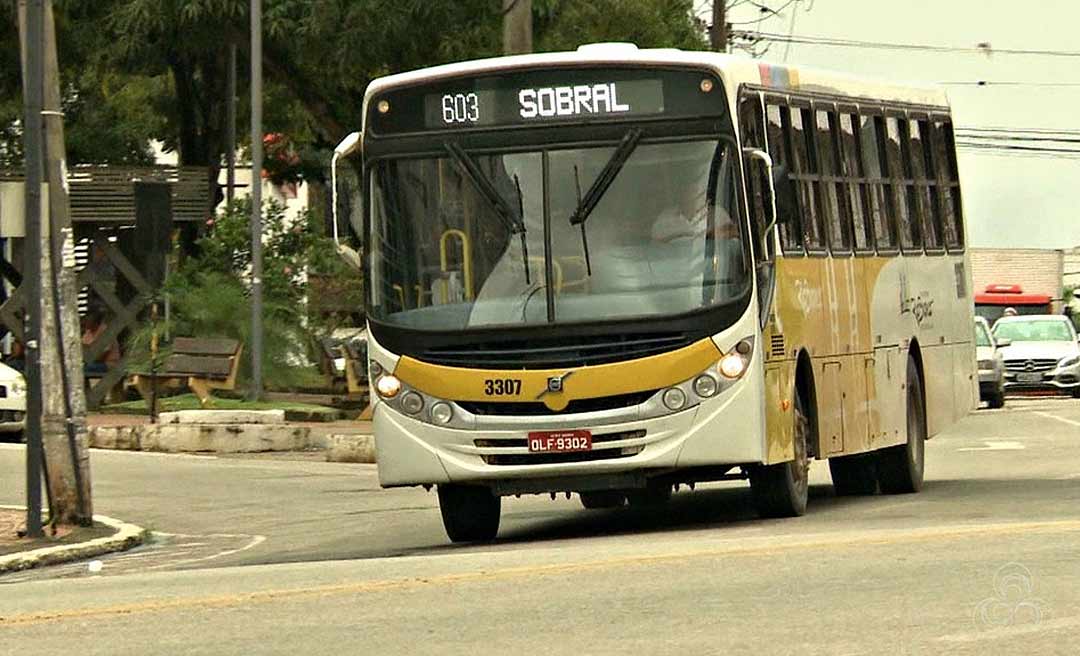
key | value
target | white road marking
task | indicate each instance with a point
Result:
(255, 541)
(995, 445)
(1057, 418)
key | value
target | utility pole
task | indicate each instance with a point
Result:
(256, 199)
(30, 29)
(718, 34)
(63, 408)
(517, 27)
(64, 401)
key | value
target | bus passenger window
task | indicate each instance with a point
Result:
(945, 162)
(834, 200)
(856, 186)
(805, 178)
(871, 141)
(907, 217)
(922, 166)
(778, 127)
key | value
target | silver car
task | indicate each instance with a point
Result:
(991, 364)
(1043, 354)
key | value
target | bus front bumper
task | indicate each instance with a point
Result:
(726, 430)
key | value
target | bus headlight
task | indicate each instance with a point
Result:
(442, 413)
(375, 369)
(1069, 362)
(705, 386)
(388, 386)
(732, 365)
(412, 403)
(675, 398)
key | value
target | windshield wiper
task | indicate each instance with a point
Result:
(498, 204)
(600, 186)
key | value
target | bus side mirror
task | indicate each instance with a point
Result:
(1002, 342)
(351, 144)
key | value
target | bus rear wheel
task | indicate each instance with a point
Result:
(900, 468)
(781, 490)
(470, 513)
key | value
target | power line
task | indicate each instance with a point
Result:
(853, 43)
(990, 138)
(1012, 130)
(988, 83)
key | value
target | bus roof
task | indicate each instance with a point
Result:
(735, 70)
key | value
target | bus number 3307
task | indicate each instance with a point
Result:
(502, 387)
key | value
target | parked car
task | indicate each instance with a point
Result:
(12, 403)
(991, 364)
(1043, 354)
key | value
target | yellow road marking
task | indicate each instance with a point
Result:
(838, 541)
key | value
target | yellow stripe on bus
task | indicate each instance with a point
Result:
(518, 385)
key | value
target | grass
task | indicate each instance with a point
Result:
(191, 402)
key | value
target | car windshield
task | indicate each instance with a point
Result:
(1040, 330)
(471, 240)
(982, 337)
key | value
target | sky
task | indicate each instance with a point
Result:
(1011, 198)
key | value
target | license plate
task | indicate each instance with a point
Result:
(1029, 378)
(560, 441)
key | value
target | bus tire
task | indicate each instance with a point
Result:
(470, 513)
(996, 400)
(781, 490)
(854, 475)
(900, 468)
(1076, 393)
(601, 499)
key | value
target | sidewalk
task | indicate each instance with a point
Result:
(107, 535)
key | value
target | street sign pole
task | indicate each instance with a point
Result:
(33, 97)
(256, 200)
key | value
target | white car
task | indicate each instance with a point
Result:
(1043, 354)
(12, 403)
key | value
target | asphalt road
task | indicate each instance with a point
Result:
(287, 554)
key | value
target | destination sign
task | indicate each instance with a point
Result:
(548, 96)
(533, 104)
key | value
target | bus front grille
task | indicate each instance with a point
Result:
(539, 409)
(555, 353)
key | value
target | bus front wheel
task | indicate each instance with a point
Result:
(781, 490)
(470, 513)
(900, 468)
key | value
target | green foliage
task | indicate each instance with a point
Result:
(135, 70)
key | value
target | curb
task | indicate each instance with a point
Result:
(126, 537)
(351, 448)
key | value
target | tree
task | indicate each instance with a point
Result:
(108, 116)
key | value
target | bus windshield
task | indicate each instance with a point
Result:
(477, 240)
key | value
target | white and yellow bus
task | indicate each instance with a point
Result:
(613, 271)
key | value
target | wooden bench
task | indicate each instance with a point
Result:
(204, 364)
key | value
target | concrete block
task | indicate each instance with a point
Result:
(195, 438)
(351, 448)
(219, 417)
